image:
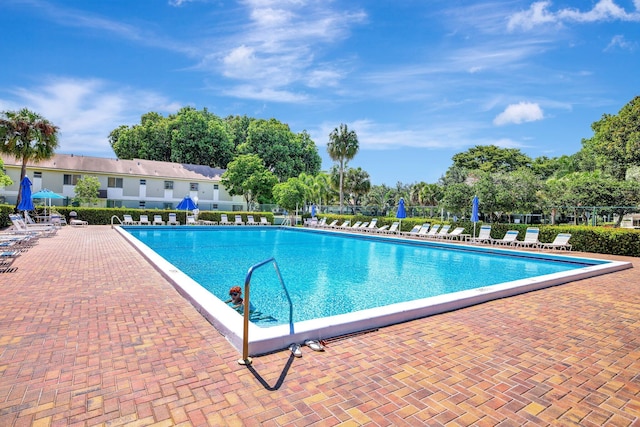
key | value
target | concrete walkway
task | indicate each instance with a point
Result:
(90, 334)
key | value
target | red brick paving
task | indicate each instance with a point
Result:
(90, 334)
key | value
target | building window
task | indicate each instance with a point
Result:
(168, 205)
(143, 204)
(113, 182)
(38, 175)
(68, 179)
(193, 186)
(143, 182)
(215, 206)
(215, 186)
(168, 185)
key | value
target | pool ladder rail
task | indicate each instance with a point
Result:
(246, 360)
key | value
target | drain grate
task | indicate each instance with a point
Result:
(331, 340)
(8, 269)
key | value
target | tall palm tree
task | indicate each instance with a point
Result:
(342, 147)
(27, 136)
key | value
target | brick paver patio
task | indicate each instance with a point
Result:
(91, 334)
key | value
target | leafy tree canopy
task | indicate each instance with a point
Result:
(284, 153)
(248, 176)
(490, 158)
(616, 140)
(27, 136)
(86, 190)
(290, 194)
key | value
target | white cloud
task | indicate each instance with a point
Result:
(279, 47)
(87, 110)
(619, 41)
(539, 14)
(519, 113)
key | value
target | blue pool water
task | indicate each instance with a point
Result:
(328, 274)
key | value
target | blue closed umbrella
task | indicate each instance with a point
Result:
(402, 212)
(474, 213)
(26, 204)
(188, 205)
(313, 211)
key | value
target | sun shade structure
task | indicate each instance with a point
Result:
(188, 205)
(402, 212)
(47, 195)
(474, 213)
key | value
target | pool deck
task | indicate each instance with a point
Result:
(91, 334)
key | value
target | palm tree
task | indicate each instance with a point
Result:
(342, 147)
(358, 183)
(27, 136)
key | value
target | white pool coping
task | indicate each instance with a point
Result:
(268, 339)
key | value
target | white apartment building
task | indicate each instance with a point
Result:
(136, 183)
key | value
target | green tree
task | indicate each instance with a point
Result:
(287, 155)
(86, 190)
(490, 158)
(200, 138)
(27, 136)
(290, 194)
(247, 176)
(343, 146)
(154, 137)
(4, 179)
(430, 195)
(616, 140)
(238, 129)
(357, 183)
(457, 198)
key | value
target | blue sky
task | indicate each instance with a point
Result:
(418, 80)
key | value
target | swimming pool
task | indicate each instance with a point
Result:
(347, 280)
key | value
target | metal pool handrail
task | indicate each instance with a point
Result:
(246, 360)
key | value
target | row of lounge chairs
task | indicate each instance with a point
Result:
(437, 231)
(191, 220)
(531, 239)
(21, 236)
(419, 231)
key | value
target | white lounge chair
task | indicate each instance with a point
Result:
(345, 224)
(509, 238)
(127, 220)
(456, 234)
(356, 225)
(414, 231)
(144, 220)
(530, 238)
(224, 220)
(444, 230)
(75, 222)
(561, 242)
(432, 232)
(157, 220)
(20, 227)
(238, 220)
(265, 221)
(484, 236)
(391, 230)
(372, 226)
(173, 220)
(191, 220)
(251, 221)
